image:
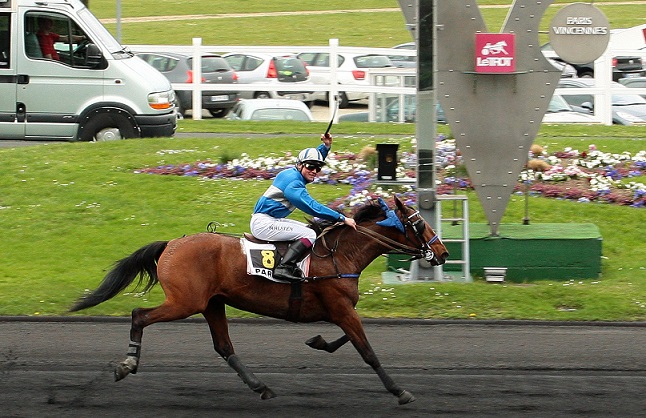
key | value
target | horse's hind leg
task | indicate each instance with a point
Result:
(141, 318)
(319, 343)
(216, 317)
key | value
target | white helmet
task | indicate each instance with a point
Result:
(310, 155)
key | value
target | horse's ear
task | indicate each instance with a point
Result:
(399, 204)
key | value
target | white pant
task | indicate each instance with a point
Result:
(279, 229)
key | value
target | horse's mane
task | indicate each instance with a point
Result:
(367, 212)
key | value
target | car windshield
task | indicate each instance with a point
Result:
(558, 104)
(279, 114)
(627, 100)
(212, 64)
(372, 61)
(102, 33)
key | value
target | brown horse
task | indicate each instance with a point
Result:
(204, 272)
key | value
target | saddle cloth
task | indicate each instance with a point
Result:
(263, 258)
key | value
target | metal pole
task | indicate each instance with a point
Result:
(426, 126)
(119, 21)
(197, 79)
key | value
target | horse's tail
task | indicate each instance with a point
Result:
(141, 262)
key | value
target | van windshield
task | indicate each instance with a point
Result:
(100, 31)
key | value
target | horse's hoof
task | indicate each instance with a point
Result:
(405, 397)
(317, 342)
(129, 365)
(120, 372)
(267, 394)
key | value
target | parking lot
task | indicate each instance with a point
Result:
(320, 110)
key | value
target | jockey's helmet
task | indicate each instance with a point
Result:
(310, 155)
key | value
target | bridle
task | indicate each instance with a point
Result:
(419, 226)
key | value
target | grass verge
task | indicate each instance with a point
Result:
(69, 210)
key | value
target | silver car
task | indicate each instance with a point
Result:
(178, 68)
(276, 69)
(271, 110)
(634, 82)
(627, 108)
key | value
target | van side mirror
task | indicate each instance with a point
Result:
(588, 105)
(93, 56)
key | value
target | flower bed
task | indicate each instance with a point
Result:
(586, 176)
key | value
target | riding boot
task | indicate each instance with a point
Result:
(287, 269)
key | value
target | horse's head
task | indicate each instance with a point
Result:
(414, 232)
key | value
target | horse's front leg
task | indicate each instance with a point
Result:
(351, 325)
(216, 317)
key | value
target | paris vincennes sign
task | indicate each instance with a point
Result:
(579, 33)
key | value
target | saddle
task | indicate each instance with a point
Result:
(263, 256)
(281, 246)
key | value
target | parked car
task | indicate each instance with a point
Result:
(627, 108)
(178, 68)
(271, 110)
(286, 69)
(567, 71)
(404, 61)
(634, 82)
(352, 70)
(560, 111)
(622, 66)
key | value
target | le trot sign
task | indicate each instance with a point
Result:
(495, 53)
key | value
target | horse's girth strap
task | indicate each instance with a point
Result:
(295, 302)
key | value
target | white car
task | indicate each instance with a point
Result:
(278, 69)
(404, 61)
(271, 110)
(559, 111)
(352, 70)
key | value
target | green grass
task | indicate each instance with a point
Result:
(69, 210)
(303, 29)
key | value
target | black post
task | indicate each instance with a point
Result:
(387, 161)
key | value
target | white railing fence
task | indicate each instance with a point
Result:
(602, 90)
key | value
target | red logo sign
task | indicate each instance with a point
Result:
(495, 52)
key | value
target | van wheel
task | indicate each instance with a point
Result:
(109, 126)
(262, 95)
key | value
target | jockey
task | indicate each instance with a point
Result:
(287, 193)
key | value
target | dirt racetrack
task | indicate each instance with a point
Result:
(465, 369)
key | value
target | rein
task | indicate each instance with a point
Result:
(392, 246)
(389, 243)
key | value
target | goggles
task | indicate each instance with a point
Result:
(312, 167)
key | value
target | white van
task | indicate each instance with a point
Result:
(64, 77)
